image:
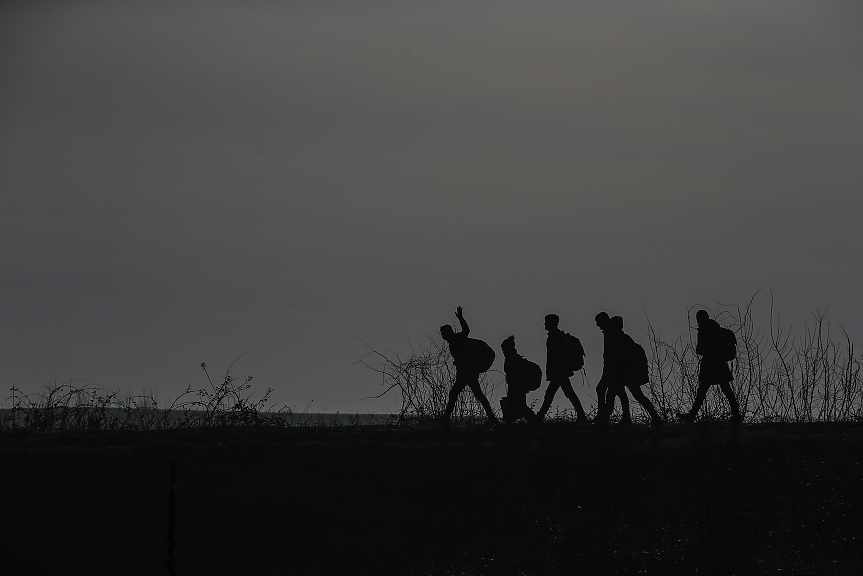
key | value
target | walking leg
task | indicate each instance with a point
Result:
(480, 397)
(601, 401)
(521, 410)
(646, 403)
(732, 401)
(696, 406)
(606, 402)
(625, 416)
(457, 387)
(573, 397)
(548, 399)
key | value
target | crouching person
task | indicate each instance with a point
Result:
(522, 376)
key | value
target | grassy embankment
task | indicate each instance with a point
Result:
(554, 499)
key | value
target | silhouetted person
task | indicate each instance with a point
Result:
(605, 399)
(564, 355)
(522, 376)
(468, 365)
(624, 366)
(717, 346)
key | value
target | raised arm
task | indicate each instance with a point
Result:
(465, 329)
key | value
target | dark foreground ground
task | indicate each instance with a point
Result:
(560, 499)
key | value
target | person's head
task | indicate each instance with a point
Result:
(602, 320)
(508, 345)
(702, 317)
(551, 321)
(616, 322)
(446, 332)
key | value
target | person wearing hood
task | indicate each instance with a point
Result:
(522, 376)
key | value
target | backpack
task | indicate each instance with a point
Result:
(726, 344)
(531, 374)
(574, 352)
(481, 355)
(639, 365)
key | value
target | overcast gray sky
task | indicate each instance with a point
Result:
(182, 182)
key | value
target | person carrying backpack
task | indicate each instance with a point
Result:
(717, 346)
(564, 356)
(522, 376)
(624, 366)
(471, 357)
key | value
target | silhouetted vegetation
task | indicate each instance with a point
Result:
(78, 405)
(423, 381)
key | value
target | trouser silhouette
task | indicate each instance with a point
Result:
(604, 398)
(704, 387)
(471, 381)
(619, 389)
(553, 386)
(514, 406)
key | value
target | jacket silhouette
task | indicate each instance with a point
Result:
(558, 369)
(522, 376)
(713, 369)
(467, 366)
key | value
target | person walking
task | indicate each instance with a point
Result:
(717, 346)
(522, 376)
(564, 355)
(470, 357)
(624, 367)
(611, 329)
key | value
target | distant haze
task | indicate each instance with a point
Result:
(183, 182)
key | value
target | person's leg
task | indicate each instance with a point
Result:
(480, 397)
(601, 391)
(601, 400)
(527, 413)
(519, 407)
(625, 416)
(606, 402)
(703, 387)
(732, 401)
(573, 397)
(457, 387)
(506, 410)
(645, 402)
(553, 385)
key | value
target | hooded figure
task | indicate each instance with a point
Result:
(522, 376)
